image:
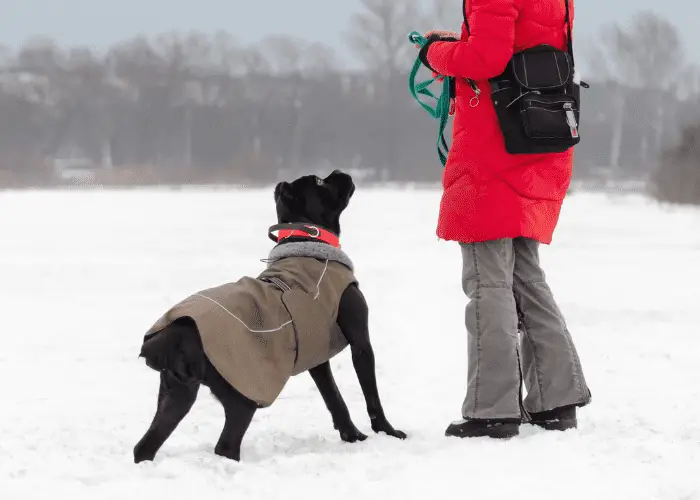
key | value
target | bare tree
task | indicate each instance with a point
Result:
(41, 55)
(647, 55)
(87, 120)
(229, 112)
(318, 60)
(286, 55)
(137, 61)
(283, 53)
(378, 34)
(226, 54)
(42, 58)
(677, 180)
(446, 15)
(253, 61)
(5, 56)
(689, 82)
(298, 62)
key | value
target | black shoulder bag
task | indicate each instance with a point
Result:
(537, 100)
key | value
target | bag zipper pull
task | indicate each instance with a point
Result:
(571, 119)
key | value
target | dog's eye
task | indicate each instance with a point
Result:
(319, 181)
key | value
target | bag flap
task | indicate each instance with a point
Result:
(542, 68)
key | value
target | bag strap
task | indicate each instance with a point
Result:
(569, 38)
(464, 15)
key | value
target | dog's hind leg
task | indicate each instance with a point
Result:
(342, 422)
(238, 411)
(162, 391)
(175, 401)
(353, 320)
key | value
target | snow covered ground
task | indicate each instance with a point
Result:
(84, 274)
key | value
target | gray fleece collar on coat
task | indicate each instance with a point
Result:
(309, 249)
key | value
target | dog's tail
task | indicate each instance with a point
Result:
(177, 349)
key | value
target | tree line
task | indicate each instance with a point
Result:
(200, 107)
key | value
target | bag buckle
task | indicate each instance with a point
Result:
(571, 119)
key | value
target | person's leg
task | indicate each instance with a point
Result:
(492, 405)
(554, 378)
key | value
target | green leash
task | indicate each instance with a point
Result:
(441, 111)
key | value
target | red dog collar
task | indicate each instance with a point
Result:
(309, 231)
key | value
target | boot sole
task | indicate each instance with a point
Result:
(557, 425)
(503, 431)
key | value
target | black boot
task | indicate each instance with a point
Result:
(472, 427)
(558, 419)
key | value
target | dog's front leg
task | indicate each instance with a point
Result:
(342, 422)
(353, 321)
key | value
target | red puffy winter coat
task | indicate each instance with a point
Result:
(489, 193)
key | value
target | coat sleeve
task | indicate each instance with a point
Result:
(488, 48)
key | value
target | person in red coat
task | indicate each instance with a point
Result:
(500, 207)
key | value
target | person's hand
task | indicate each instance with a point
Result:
(443, 34)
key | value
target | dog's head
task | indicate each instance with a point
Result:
(314, 200)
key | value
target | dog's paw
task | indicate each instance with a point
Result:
(385, 427)
(142, 454)
(352, 435)
(398, 434)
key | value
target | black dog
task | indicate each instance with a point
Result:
(183, 365)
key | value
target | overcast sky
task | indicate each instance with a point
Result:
(100, 23)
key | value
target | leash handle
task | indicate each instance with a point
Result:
(442, 108)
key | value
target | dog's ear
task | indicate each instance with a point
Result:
(344, 185)
(283, 190)
(349, 193)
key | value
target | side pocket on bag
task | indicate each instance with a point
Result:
(550, 117)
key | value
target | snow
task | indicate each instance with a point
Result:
(84, 273)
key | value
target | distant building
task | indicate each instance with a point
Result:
(73, 167)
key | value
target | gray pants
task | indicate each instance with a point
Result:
(507, 290)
